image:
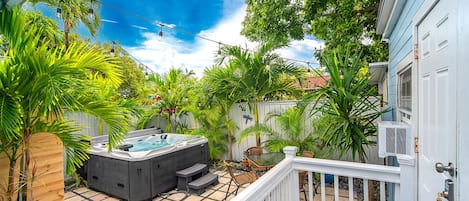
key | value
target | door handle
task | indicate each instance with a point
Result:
(440, 168)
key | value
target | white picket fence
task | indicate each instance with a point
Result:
(238, 114)
(90, 124)
(240, 111)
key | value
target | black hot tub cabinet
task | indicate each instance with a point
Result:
(142, 175)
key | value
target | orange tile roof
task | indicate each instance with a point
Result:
(311, 83)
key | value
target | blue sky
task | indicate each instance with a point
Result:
(134, 25)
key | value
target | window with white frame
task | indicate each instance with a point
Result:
(405, 93)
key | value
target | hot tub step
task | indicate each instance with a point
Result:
(198, 186)
(193, 170)
(187, 175)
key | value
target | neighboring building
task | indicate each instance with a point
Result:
(313, 83)
(379, 76)
(426, 88)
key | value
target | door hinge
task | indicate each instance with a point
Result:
(416, 145)
(416, 51)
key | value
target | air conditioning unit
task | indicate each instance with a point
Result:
(394, 138)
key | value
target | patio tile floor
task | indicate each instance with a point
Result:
(212, 193)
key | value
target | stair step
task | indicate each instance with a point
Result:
(193, 170)
(198, 186)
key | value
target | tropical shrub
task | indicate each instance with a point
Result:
(213, 127)
(348, 103)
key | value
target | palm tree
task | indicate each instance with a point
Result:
(263, 75)
(49, 30)
(49, 26)
(172, 91)
(221, 84)
(74, 12)
(38, 84)
(291, 131)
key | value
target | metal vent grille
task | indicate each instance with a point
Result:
(390, 140)
(401, 141)
(394, 138)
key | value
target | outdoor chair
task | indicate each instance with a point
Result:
(238, 179)
(257, 168)
(303, 175)
(251, 151)
(254, 151)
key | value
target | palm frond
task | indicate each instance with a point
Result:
(10, 115)
(255, 129)
(116, 118)
(76, 145)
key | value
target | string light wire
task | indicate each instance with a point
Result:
(163, 25)
(116, 44)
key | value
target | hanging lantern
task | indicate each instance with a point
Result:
(58, 14)
(91, 11)
(161, 33)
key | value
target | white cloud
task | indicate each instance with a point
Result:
(160, 55)
(166, 25)
(110, 21)
(139, 27)
(302, 51)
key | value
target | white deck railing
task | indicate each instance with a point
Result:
(281, 182)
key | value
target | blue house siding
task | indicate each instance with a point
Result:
(400, 45)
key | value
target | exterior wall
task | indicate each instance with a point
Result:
(400, 45)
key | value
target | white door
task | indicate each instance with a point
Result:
(436, 35)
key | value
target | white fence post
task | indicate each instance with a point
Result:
(407, 188)
(290, 151)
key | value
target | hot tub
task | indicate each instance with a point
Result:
(145, 164)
